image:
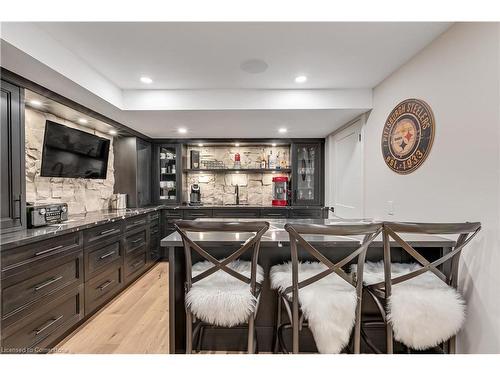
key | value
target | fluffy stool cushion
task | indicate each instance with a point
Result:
(220, 298)
(423, 311)
(329, 305)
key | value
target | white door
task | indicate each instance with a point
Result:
(348, 172)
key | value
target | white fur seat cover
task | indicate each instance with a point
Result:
(424, 311)
(329, 305)
(220, 298)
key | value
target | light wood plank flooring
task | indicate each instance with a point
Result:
(135, 322)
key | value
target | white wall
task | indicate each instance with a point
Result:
(458, 75)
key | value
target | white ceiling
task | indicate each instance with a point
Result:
(198, 83)
(209, 55)
(241, 124)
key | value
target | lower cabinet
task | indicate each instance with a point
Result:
(101, 288)
(50, 286)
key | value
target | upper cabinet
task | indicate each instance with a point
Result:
(133, 170)
(13, 201)
(307, 177)
(168, 173)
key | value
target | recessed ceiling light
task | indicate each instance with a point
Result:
(274, 144)
(282, 130)
(146, 80)
(113, 132)
(300, 79)
(200, 144)
(237, 144)
(182, 130)
(82, 120)
(35, 103)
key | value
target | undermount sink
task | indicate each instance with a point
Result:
(236, 204)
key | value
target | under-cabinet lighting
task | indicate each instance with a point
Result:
(182, 130)
(113, 132)
(282, 130)
(35, 103)
(83, 121)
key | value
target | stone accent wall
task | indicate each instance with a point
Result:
(80, 194)
(218, 188)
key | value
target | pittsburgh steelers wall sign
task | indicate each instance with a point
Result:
(408, 135)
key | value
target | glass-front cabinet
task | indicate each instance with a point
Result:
(307, 177)
(168, 174)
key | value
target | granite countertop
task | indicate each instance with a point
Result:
(276, 236)
(219, 206)
(87, 220)
(75, 222)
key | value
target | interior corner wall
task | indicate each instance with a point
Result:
(458, 76)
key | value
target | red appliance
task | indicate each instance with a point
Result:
(280, 191)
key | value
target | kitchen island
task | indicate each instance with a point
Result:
(274, 250)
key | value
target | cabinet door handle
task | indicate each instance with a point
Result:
(271, 214)
(47, 283)
(137, 240)
(105, 285)
(107, 255)
(50, 323)
(17, 208)
(137, 264)
(48, 250)
(107, 231)
(138, 222)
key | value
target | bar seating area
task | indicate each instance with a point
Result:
(417, 301)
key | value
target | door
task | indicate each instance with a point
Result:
(348, 172)
(307, 174)
(12, 158)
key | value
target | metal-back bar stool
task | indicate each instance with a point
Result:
(291, 293)
(251, 245)
(381, 291)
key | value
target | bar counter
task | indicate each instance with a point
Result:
(274, 250)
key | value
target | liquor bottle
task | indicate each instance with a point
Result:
(270, 160)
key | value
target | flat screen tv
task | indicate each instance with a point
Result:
(73, 153)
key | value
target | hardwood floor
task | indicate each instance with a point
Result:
(135, 322)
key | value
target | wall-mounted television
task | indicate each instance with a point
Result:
(73, 153)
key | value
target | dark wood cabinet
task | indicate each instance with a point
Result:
(307, 174)
(167, 174)
(132, 162)
(12, 187)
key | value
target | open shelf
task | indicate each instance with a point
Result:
(242, 170)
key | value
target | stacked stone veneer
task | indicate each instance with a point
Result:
(80, 194)
(219, 188)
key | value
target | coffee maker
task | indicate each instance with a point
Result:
(195, 195)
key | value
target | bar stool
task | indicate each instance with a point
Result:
(223, 293)
(329, 298)
(419, 304)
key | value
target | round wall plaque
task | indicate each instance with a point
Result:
(408, 135)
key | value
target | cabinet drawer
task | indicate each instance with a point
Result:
(103, 287)
(98, 259)
(277, 213)
(236, 213)
(42, 285)
(102, 232)
(41, 250)
(154, 216)
(46, 324)
(135, 222)
(154, 230)
(306, 214)
(133, 265)
(197, 213)
(134, 243)
(154, 248)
